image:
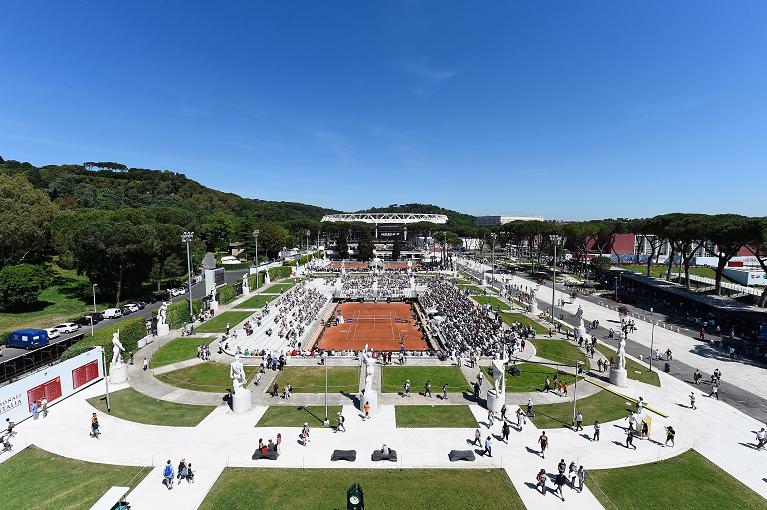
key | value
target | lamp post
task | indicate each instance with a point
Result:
(94, 305)
(307, 241)
(106, 377)
(326, 390)
(186, 238)
(575, 391)
(255, 236)
(555, 241)
(652, 342)
(493, 236)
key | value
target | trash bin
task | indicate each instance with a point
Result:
(667, 367)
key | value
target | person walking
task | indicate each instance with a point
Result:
(560, 481)
(670, 433)
(258, 378)
(714, 391)
(692, 400)
(761, 439)
(340, 427)
(488, 447)
(572, 473)
(578, 422)
(505, 429)
(146, 364)
(490, 417)
(427, 388)
(167, 475)
(95, 426)
(596, 431)
(540, 481)
(520, 417)
(697, 376)
(503, 412)
(530, 412)
(44, 406)
(630, 438)
(406, 389)
(477, 438)
(581, 478)
(366, 408)
(444, 391)
(544, 442)
(35, 410)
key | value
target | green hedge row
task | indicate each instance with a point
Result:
(131, 331)
(242, 265)
(226, 294)
(178, 312)
(252, 281)
(302, 260)
(276, 273)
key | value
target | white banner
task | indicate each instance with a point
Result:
(54, 383)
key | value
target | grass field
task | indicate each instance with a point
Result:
(257, 301)
(278, 288)
(131, 405)
(661, 271)
(289, 416)
(603, 406)
(473, 289)
(218, 323)
(392, 379)
(635, 370)
(312, 379)
(63, 300)
(209, 376)
(560, 351)
(440, 416)
(179, 349)
(494, 302)
(533, 377)
(686, 482)
(511, 318)
(37, 479)
(390, 489)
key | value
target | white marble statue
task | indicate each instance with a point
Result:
(162, 313)
(237, 373)
(116, 348)
(620, 360)
(368, 362)
(499, 376)
(213, 294)
(245, 281)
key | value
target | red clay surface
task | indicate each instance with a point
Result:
(365, 265)
(383, 334)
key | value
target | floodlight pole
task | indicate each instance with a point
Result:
(652, 343)
(94, 305)
(555, 241)
(326, 390)
(106, 378)
(493, 236)
(187, 237)
(255, 235)
(575, 391)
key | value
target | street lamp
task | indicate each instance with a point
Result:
(493, 236)
(187, 237)
(652, 342)
(555, 241)
(578, 364)
(255, 235)
(94, 305)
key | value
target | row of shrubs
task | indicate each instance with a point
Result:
(131, 331)
(302, 260)
(178, 312)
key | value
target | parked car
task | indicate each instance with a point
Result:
(132, 306)
(176, 292)
(27, 338)
(68, 327)
(53, 333)
(141, 304)
(85, 320)
(112, 313)
(97, 317)
(126, 310)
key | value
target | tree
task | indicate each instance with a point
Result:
(218, 229)
(396, 249)
(686, 234)
(20, 285)
(649, 229)
(758, 246)
(600, 264)
(272, 238)
(24, 216)
(365, 246)
(730, 232)
(343, 243)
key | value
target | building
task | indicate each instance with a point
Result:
(489, 221)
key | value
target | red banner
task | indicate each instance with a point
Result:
(51, 390)
(85, 374)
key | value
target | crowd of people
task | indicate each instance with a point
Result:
(386, 284)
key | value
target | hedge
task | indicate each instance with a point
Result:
(252, 281)
(233, 267)
(302, 260)
(131, 331)
(178, 312)
(276, 273)
(226, 294)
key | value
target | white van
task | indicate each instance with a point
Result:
(112, 313)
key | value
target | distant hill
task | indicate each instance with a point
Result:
(455, 218)
(111, 187)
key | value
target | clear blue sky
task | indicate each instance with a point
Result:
(564, 109)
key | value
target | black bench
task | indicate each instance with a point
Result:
(270, 454)
(378, 456)
(349, 455)
(455, 455)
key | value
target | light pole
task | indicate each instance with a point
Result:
(575, 391)
(652, 342)
(555, 241)
(255, 235)
(493, 236)
(187, 237)
(94, 305)
(106, 378)
(326, 390)
(307, 241)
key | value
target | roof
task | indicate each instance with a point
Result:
(387, 218)
(29, 331)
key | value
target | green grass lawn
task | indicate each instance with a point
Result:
(494, 302)
(289, 416)
(209, 376)
(533, 377)
(686, 482)
(37, 479)
(278, 288)
(131, 405)
(392, 379)
(218, 323)
(560, 351)
(257, 301)
(439, 416)
(312, 379)
(661, 271)
(179, 349)
(511, 318)
(389, 489)
(473, 289)
(635, 370)
(65, 299)
(603, 406)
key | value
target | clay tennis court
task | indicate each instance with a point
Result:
(380, 325)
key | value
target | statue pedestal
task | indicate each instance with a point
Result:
(163, 329)
(534, 307)
(118, 374)
(370, 396)
(495, 401)
(619, 377)
(245, 290)
(214, 305)
(241, 401)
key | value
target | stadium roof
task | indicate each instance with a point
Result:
(387, 218)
